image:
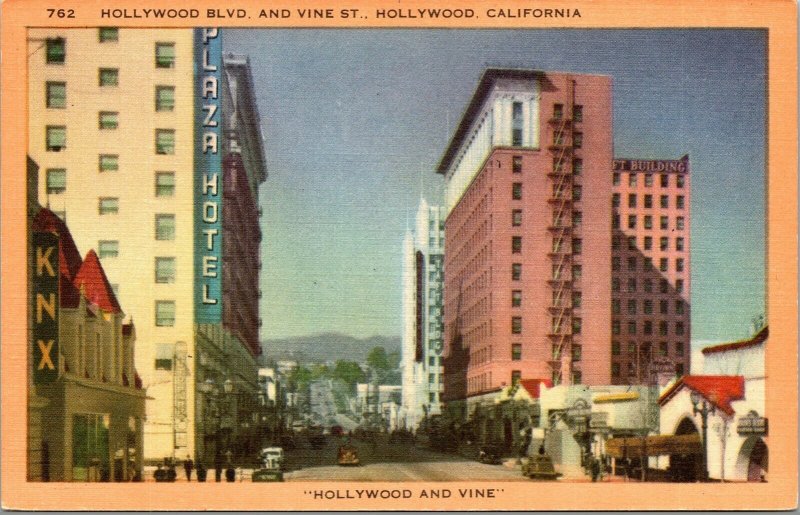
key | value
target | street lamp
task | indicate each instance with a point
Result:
(704, 410)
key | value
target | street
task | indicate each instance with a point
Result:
(382, 461)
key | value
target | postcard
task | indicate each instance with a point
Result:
(415, 255)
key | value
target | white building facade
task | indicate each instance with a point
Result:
(422, 338)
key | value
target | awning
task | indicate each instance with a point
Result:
(635, 447)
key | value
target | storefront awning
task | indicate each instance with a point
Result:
(660, 445)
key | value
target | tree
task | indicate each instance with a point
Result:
(384, 366)
(349, 373)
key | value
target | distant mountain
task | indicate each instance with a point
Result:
(319, 348)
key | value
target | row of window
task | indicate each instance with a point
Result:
(663, 285)
(647, 221)
(56, 49)
(680, 180)
(577, 112)
(645, 347)
(57, 178)
(647, 306)
(616, 369)
(647, 241)
(559, 139)
(663, 327)
(164, 226)
(663, 201)
(56, 135)
(56, 92)
(663, 264)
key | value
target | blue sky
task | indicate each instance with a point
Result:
(356, 121)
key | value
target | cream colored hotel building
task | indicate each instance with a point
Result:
(111, 126)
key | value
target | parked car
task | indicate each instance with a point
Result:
(348, 455)
(272, 458)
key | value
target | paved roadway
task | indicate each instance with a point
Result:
(382, 461)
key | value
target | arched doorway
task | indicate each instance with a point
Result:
(753, 460)
(686, 467)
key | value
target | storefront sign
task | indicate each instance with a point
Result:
(208, 176)
(599, 420)
(45, 309)
(752, 424)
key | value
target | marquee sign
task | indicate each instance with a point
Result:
(45, 309)
(208, 176)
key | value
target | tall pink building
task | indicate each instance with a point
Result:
(650, 268)
(528, 233)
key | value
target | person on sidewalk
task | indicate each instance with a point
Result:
(188, 466)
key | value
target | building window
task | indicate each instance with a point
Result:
(165, 353)
(165, 141)
(108, 120)
(56, 181)
(679, 180)
(165, 184)
(165, 269)
(516, 164)
(679, 347)
(679, 369)
(631, 327)
(108, 205)
(615, 306)
(576, 352)
(679, 202)
(648, 327)
(165, 227)
(663, 286)
(663, 264)
(615, 349)
(616, 242)
(516, 325)
(616, 221)
(679, 328)
(577, 193)
(577, 272)
(679, 307)
(648, 284)
(165, 313)
(577, 299)
(648, 307)
(679, 222)
(56, 136)
(108, 34)
(678, 243)
(679, 285)
(631, 370)
(648, 201)
(664, 223)
(615, 200)
(664, 180)
(648, 180)
(616, 263)
(577, 139)
(616, 179)
(663, 349)
(516, 244)
(632, 264)
(516, 298)
(165, 98)
(516, 217)
(664, 201)
(648, 222)
(558, 111)
(577, 218)
(577, 246)
(516, 375)
(632, 200)
(165, 55)
(648, 263)
(516, 124)
(516, 191)
(107, 248)
(631, 242)
(577, 166)
(615, 327)
(663, 329)
(631, 348)
(631, 306)
(663, 243)
(615, 369)
(56, 51)
(56, 95)
(631, 285)
(577, 325)
(577, 113)
(109, 162)
(108, 77)
(516, 351)
(648, 243)
(516, 271)
(679, 265)
(615, 286)
(631, 179)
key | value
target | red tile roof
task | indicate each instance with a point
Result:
(533, 386)
(719, 390)
(758, 339)
(69, 258)
(96, 287)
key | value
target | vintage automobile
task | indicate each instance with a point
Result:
(272, 458)
(540, 467)
(348, 455)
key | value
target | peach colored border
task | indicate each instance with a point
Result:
(779, 16)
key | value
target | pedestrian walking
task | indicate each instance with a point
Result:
(218, 467)
(188, 466)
